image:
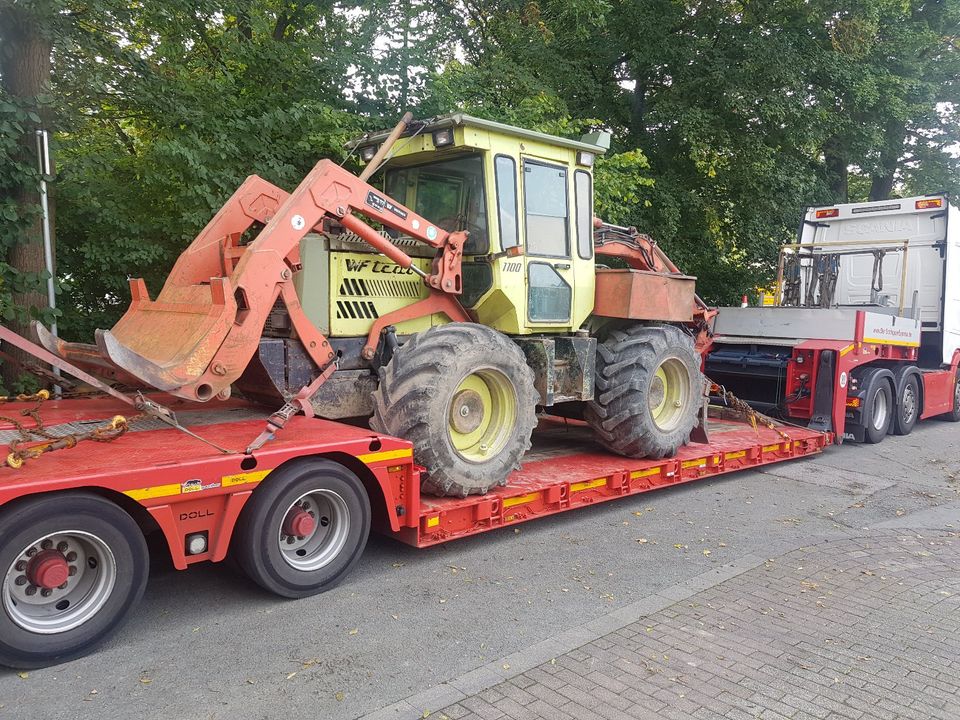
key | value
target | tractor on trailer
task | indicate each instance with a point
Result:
(282, 298)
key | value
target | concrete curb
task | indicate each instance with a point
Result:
(452, 691)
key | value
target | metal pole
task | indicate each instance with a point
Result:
(43, 155)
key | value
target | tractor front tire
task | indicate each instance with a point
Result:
(649, 389)
(464, 395)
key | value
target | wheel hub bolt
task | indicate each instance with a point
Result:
(21, 580)
(32, 590)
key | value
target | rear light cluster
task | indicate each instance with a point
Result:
(930, 203)
(828, 213)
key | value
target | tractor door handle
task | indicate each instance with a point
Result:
(562, 266)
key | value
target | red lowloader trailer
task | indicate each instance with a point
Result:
(295, 515)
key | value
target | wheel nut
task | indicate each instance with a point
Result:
(62, 587)
(46, 593)
(62, 547)
(20, 566)
(71, 556)
(21, 580)
(72, 571)
(31, 552)
(32, 590)
(46, 544)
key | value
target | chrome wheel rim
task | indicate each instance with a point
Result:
(880, 410)
(909, 404)
(82, 560)
(314, 530)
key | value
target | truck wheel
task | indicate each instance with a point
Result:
(648, 391)
(73, 566)
(908, 406)
(880, 407)
(304, 528)
(464, 395)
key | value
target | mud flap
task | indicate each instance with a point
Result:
(822, 416)
(700, 434)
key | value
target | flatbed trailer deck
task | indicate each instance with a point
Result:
(164, 480)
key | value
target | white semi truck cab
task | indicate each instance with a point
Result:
(875, 281)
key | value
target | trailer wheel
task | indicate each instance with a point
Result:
(648, 391)
(908, 406)
(464, 395)
(879, 412)
(954, 415)
(304, 528)
(73, 566)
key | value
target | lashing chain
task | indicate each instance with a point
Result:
(20, 451)
(752, 415)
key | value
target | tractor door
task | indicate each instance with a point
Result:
(557, 219)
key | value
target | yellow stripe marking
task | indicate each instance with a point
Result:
(433, 521)
(148, 493)
(845, 350)
(520, 499)
(735, 455)
(771, 448)
(702, 462)
(883, 341)
(588, 485)
(243, 478)
(644, 473)
(385, 455)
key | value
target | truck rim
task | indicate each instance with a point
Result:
(909, 403)
(59, 582)
(881, 410)
(482, 414)
(669, 394)
(314, 530)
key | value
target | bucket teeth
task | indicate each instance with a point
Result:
(85, 356)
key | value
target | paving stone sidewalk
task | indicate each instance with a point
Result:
(864, 628)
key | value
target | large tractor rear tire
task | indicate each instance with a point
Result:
(648, 391)
(465, 396)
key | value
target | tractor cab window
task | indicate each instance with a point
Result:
(545, 198)
(448, 194)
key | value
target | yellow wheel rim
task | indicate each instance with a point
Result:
(483, 412)
(669, 394)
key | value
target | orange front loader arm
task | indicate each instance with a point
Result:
(200, 333)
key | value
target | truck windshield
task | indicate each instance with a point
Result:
(447, 193)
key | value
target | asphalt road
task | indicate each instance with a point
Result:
(205, 643)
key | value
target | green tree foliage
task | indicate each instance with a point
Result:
(727, 117)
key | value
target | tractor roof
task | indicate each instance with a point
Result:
(464, 120)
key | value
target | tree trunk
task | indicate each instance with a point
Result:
(25, 73)
(881, 184)
(838, 173)
(638, 108)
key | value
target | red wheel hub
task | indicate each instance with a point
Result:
(48, 569)
(299, 523)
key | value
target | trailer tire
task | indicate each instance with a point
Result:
(484, 374)
(98, 551)
(954, 415)
(639, 369)
(319, 498)
(879, 411)
(908, 406)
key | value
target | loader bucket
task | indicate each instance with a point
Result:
(169, 342)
